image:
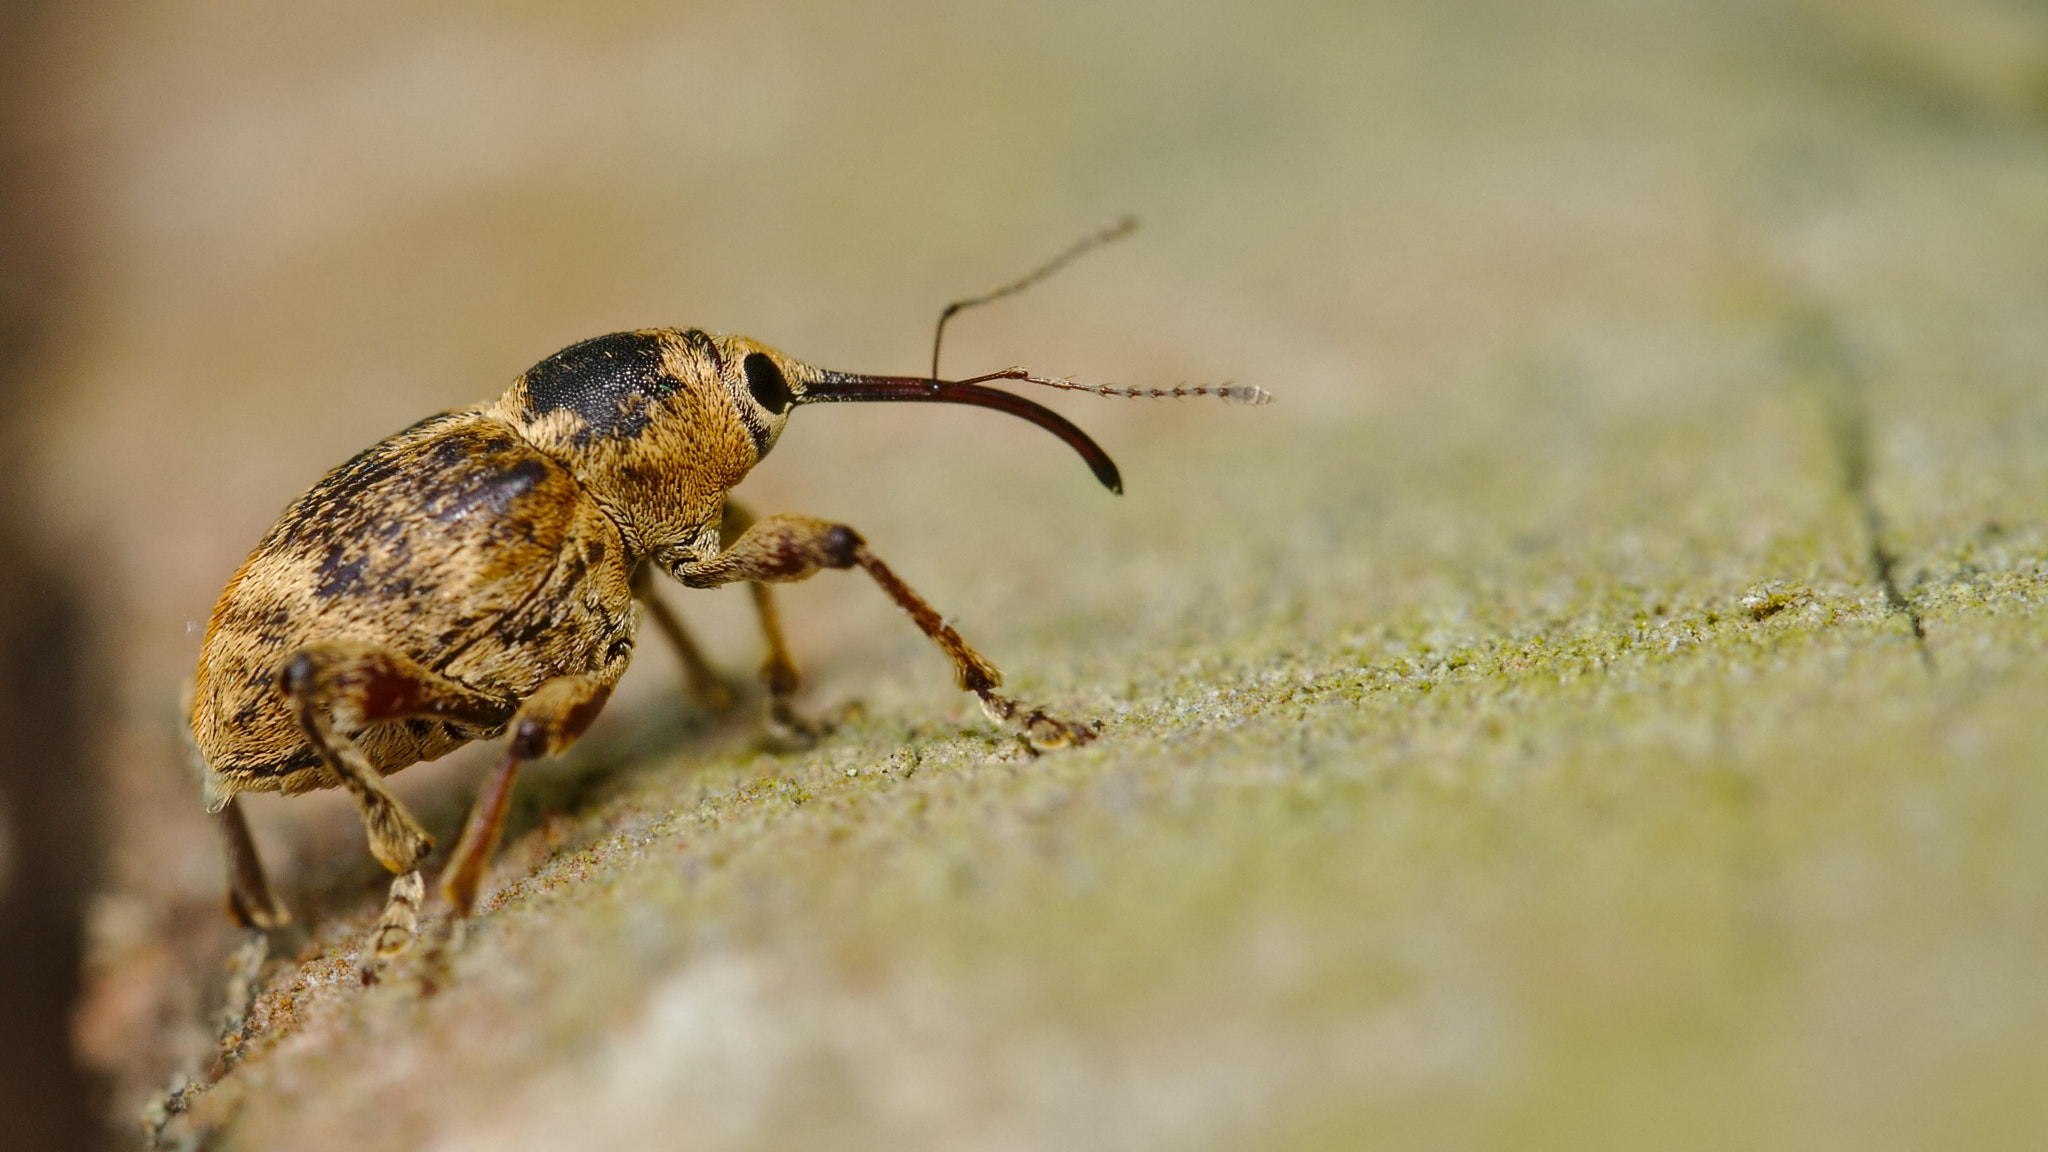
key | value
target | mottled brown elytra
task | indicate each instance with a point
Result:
(486, 569)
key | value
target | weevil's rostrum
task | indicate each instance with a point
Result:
(487, 569)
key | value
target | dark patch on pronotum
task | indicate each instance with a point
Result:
(703, 345)
(609, 381)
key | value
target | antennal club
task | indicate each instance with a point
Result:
(1116, 229)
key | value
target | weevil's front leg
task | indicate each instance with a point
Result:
(784, 548)
(550, 720)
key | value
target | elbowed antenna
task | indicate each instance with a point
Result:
(841, 387)
(1115, 230)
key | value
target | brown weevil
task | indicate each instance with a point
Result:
(485, 570)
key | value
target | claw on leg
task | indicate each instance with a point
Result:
(1041, 728)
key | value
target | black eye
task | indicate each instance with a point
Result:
(765, 381)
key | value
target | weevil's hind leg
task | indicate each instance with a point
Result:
(548, 722)
(398, 924)
(251, 902)
(340, 686)
(784, 548)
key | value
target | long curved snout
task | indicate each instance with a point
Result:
(825, 387)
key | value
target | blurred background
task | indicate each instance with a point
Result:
(242, 241)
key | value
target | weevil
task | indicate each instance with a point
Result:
(485, 571)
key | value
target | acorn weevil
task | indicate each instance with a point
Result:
(486, 569)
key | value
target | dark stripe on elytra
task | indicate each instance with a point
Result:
(338, 575)
(344, 488)
(610, 381)
(491, 494)
(387, 498)
(300, 761)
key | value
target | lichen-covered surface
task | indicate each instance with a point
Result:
(1509, 741)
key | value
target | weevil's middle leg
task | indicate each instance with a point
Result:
(703, 680)
(548, 722)
(778, 670)
(784, 548)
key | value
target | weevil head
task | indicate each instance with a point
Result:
(658, 425)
